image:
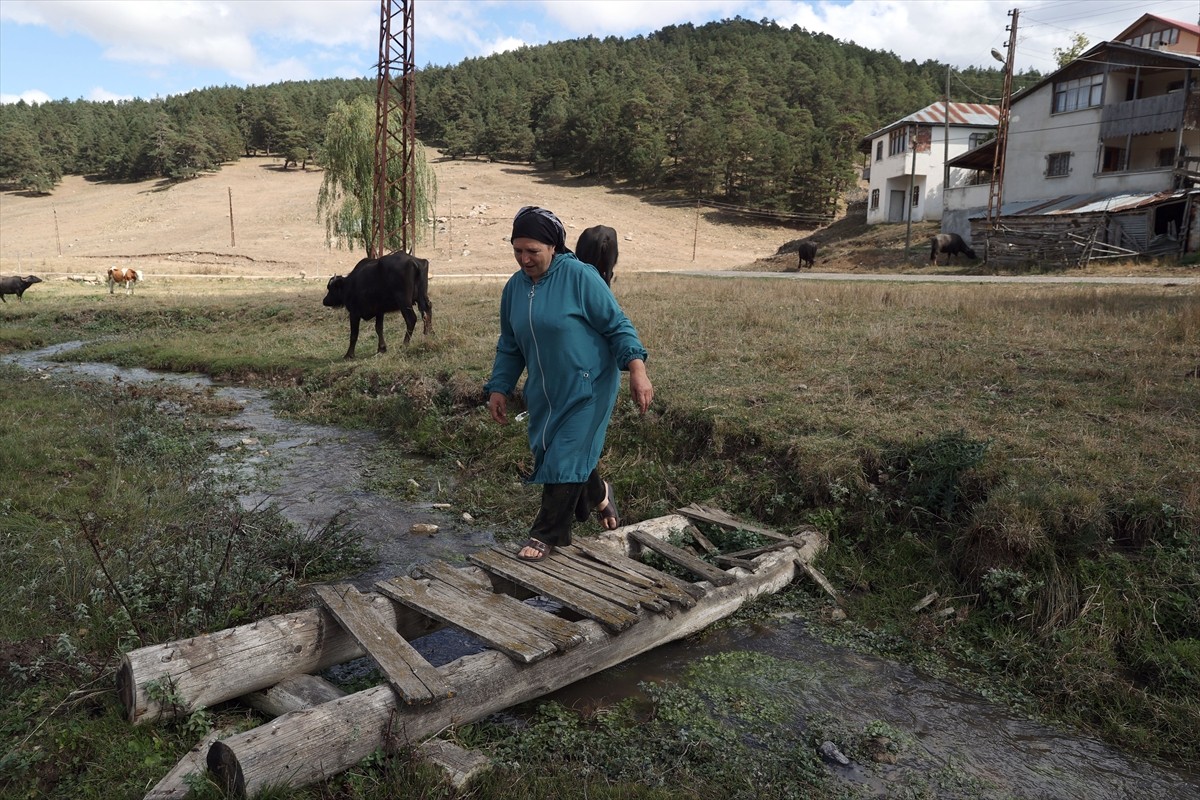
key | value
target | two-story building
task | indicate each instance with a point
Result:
(907, 159)
(1106, 149)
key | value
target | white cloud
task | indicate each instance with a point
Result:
(102, 95)
(503, 45)
(31, 96)
(619, 17)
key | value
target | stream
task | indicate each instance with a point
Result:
(314, 473)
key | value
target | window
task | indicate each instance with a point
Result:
(1114, 159)
(1078, 94)
(977, 139)
(874, 199)
(879, 150)
(916, 196)
(898, 141)
(1166, 157)
(1155, 38)
(1058, 165)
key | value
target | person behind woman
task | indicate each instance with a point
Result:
(560, 322)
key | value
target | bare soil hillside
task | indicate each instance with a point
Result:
(84, 226)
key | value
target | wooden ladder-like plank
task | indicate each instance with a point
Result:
(579, 600)
(667, 586)
(718, 517)
(701, 569)
(605, 586)
(414, 679)
(470, 611)
(563, 633)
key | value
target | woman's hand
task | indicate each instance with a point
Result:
(639, 385)
(498, 407)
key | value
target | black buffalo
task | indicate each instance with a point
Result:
(951, 244)
(598, 246)
(807, 252)
(377, 286)
(16, 285)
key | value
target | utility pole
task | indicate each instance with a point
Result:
(946, 149)
(912, 177)
(395, 91)
(996, 192)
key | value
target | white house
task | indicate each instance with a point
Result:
(906, 179)
(1112, 139)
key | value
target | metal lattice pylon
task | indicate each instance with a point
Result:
(394, 92)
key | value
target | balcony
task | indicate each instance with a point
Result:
(1148, 115)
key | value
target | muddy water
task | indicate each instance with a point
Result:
(954, 743)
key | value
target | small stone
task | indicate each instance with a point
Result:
(440, 505)
(467, 517)
(837, 615)
(423, 529)
(830, 753)
(249, 442)
(413, 484)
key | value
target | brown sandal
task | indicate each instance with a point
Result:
(610, 509)
(542, 549)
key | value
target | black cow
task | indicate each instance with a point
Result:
(951, 244)
(377, 286)
(807, 251)
(598, 246)
(16, 285)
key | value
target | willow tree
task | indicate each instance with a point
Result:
(347, 190)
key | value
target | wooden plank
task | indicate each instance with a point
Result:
(578, 600)
(563, 633)
(700, 569)
(298, 749)
(577, 556)
(413, 678)
(731, 561)
(469, 612)
(174, 785)
(668, 586)
(599, 583)
(292, 694)
(767, 548)
(700, 539)
(718, 517)
(821, 581)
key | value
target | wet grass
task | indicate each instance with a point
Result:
(1028, 452)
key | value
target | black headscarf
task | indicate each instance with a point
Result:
(541, 225)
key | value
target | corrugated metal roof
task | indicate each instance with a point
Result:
(960, 114)
(1092, 203)
(976, 114)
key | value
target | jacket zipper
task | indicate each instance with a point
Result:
(537, 351)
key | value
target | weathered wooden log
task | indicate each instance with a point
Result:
(301, 748)
(205, 670)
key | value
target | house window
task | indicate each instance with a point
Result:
(916, 196)
(1058, 165)
(874, 199)
(1114, 159)
(1166, 157)
(879, 150)
(1155, 38)
(1078, 94)
(898, 141)
(977, 139)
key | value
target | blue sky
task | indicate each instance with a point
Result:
(120, 49)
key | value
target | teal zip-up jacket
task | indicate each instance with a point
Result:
(570, 334)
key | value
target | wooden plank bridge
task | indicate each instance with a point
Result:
(605, 606)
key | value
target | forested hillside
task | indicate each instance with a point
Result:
(747, 112)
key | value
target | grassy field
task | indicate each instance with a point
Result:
(1027, 452)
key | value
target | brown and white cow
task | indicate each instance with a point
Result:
(125, 277)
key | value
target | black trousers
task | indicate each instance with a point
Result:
(562, 505)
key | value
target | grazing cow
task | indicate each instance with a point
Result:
(16, 285)
(598, 246)
(807, 251)
(377, 286)
(951, 244)
(125, 277)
